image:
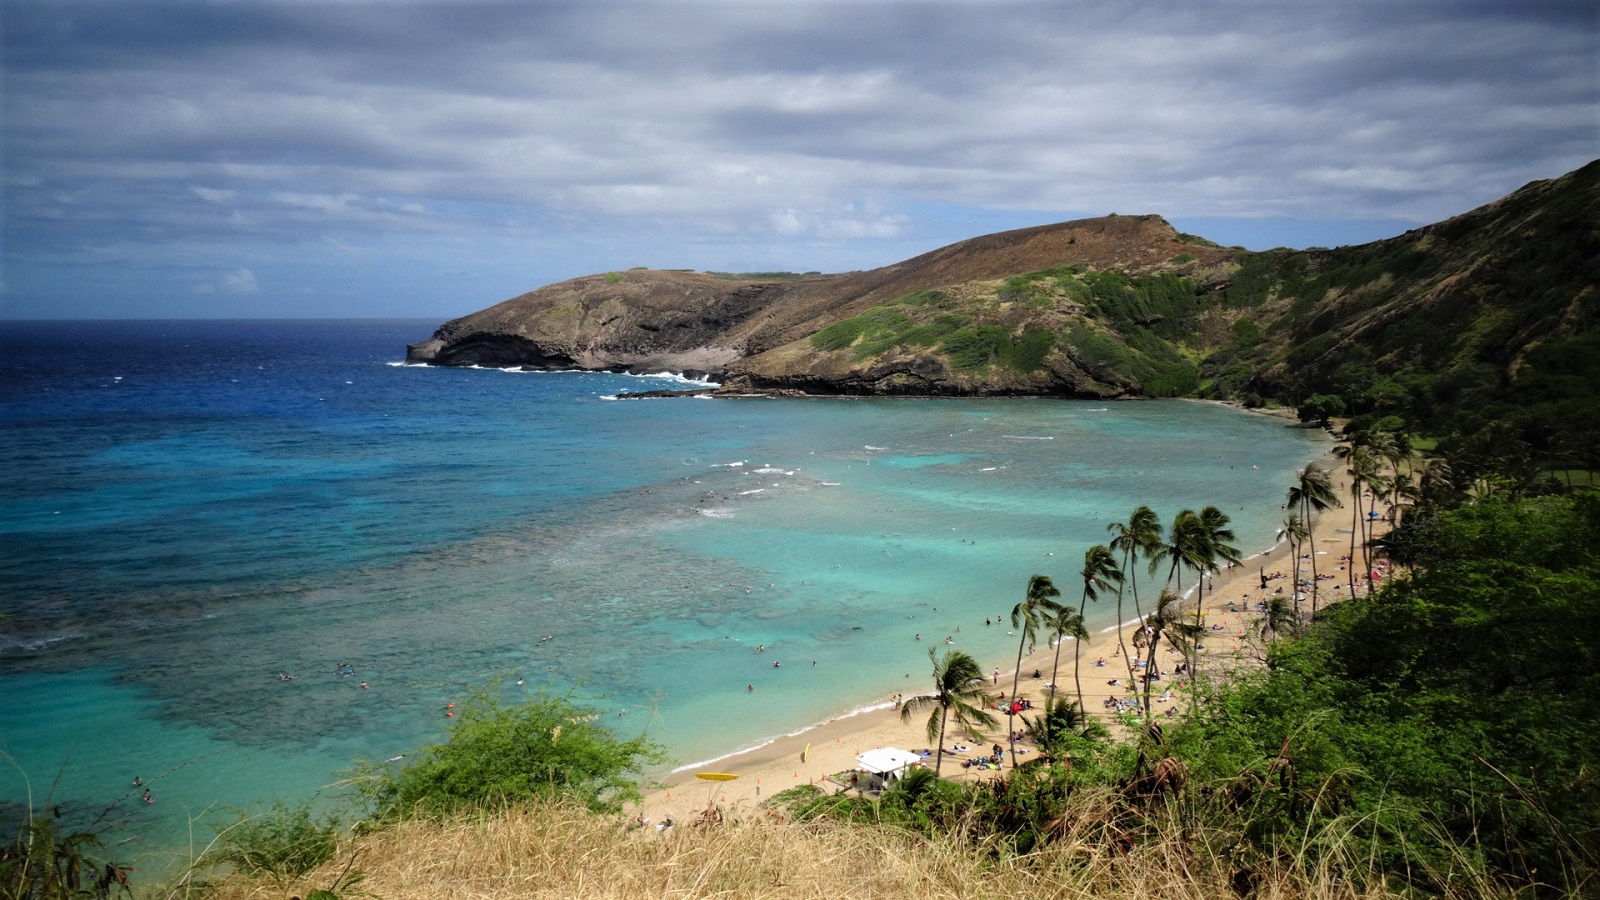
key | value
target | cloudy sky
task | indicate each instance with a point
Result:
(342, 158)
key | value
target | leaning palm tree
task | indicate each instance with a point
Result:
(1363, 466)
(1312, 491)
(1099, 573)
(1026, 617)
(958, 689)
(1139, 537)
(1294, 531)
(1064, 622)
(1278, 618)
(1182, 548)
(1216, 546)
(1165, 621)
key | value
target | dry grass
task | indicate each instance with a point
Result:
(567, 852)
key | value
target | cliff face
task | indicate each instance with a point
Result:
(1107, 307)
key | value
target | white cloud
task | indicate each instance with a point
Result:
(239, 281)
(792, 126)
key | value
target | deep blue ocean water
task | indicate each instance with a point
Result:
(192, 509)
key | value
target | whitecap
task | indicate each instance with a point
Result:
(870, 447)
(1028, 437)
(756, 491)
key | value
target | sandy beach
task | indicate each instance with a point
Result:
(831, 747)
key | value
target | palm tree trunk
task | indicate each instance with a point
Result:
(1311, 539)
(1055, 669)
(1150, 670)
(938, 761)
(1077, 651)
(1355, 527)
(1122, 640)
(1016, 677)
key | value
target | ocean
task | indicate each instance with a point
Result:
(195, 509)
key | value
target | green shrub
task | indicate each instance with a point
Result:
(614, 277)
(284, 842)
(550, 747)
(974, 349)
(839, 335)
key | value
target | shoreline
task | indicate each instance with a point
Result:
(811, 753)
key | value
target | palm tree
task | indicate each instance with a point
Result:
(957, 688)
(1138, 538)
(1166, 620)
(1099, 573)
(1216, 546)
(1278, 618)
(1312, 491)
(1060, 717)
(1064, 622)
(1294, 530)
(1182, 547)
(1025, 618)
(1364, 474)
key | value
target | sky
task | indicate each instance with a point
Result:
(355, 158)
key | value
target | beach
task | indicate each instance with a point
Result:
(811, 756)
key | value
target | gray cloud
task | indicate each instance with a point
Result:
(172, 128)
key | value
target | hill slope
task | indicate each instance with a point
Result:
(1493, 307)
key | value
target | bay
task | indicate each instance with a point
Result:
(195, 509)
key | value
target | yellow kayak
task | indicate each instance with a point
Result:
(715, 776)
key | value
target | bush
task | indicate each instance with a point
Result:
(284, 842)
(498, 756)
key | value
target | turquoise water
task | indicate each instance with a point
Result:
(197, 508)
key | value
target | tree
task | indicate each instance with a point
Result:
(1312, 491)
(1164, 621)
(1294, 531)
(1215, 545)
(1063, 622)
(1026, 617)
(1364, 473)
(1278, 618)
(957, 688)
(1139, 538)
(497, 756)
(1321, 408)
(1099, 573)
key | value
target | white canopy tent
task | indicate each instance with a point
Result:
(887, 761)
